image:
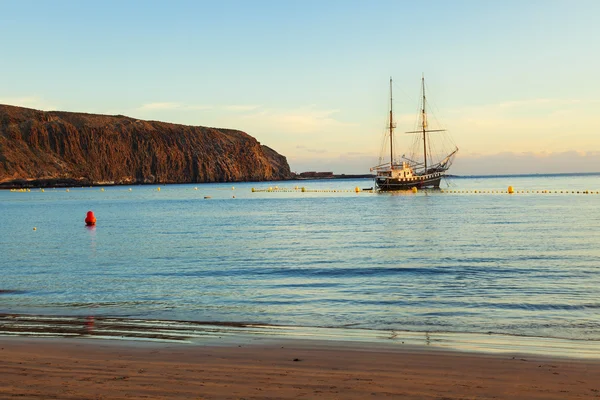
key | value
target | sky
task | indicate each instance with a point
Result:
(515, 83)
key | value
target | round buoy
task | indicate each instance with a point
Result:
(90, 219)
(414, 189)
(357, 189)
(158, 189)
(34, 228)
(511, 190)
(130, 189)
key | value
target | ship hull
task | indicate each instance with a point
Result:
(424, 182)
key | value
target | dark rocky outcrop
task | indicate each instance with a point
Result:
(39, 148)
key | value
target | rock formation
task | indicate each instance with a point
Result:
(39, 148)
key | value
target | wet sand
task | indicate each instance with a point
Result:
(69, 368)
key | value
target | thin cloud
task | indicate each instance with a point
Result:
(157, 106)
(29, 102)
(197, 107)
(316, 151)
(241, 107)
(537, 102)
(160, 106)
(527, 162)
(550, 104)
(302, 120)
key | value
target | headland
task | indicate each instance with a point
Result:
(56, 148)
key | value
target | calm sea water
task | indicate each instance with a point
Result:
(525, 264)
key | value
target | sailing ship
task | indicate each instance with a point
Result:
(420, 169)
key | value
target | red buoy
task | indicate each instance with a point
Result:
(90, 219)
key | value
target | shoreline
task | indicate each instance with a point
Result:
(62, 183)
(73, 368)
(118, 329)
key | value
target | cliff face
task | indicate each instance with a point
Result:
(90, 148)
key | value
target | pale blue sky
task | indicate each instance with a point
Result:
(514, 81)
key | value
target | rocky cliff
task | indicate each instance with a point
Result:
(51, 148)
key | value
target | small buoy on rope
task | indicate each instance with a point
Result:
(511, 190)
(414, 189)
(34, 228)
(195, 188)
(102, 190)
(90, 219)
(158, 189)
(130, 189)
(357, 189)
(233, 188)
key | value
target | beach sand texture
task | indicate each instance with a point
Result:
(34, 368)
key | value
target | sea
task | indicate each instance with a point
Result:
(308, 256)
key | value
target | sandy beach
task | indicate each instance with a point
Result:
(34, 368)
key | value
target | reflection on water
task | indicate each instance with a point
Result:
(92, 233)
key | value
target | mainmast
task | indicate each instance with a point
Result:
(391, 128)
(424, 124)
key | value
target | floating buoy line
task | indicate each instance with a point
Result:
(446, 191)
(509, 190)
(305, 190)
(296, 189)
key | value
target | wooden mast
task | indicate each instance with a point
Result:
(391, 129)
(424, 124)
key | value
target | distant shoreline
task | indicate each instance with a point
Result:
(341, 176)
(72, 182)
(525, 175)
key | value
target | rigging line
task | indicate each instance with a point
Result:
(429, 101)
(434, 106)
(416, 138)
(398, 143)
(385, 132)
(383, 147)
(410, 99)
